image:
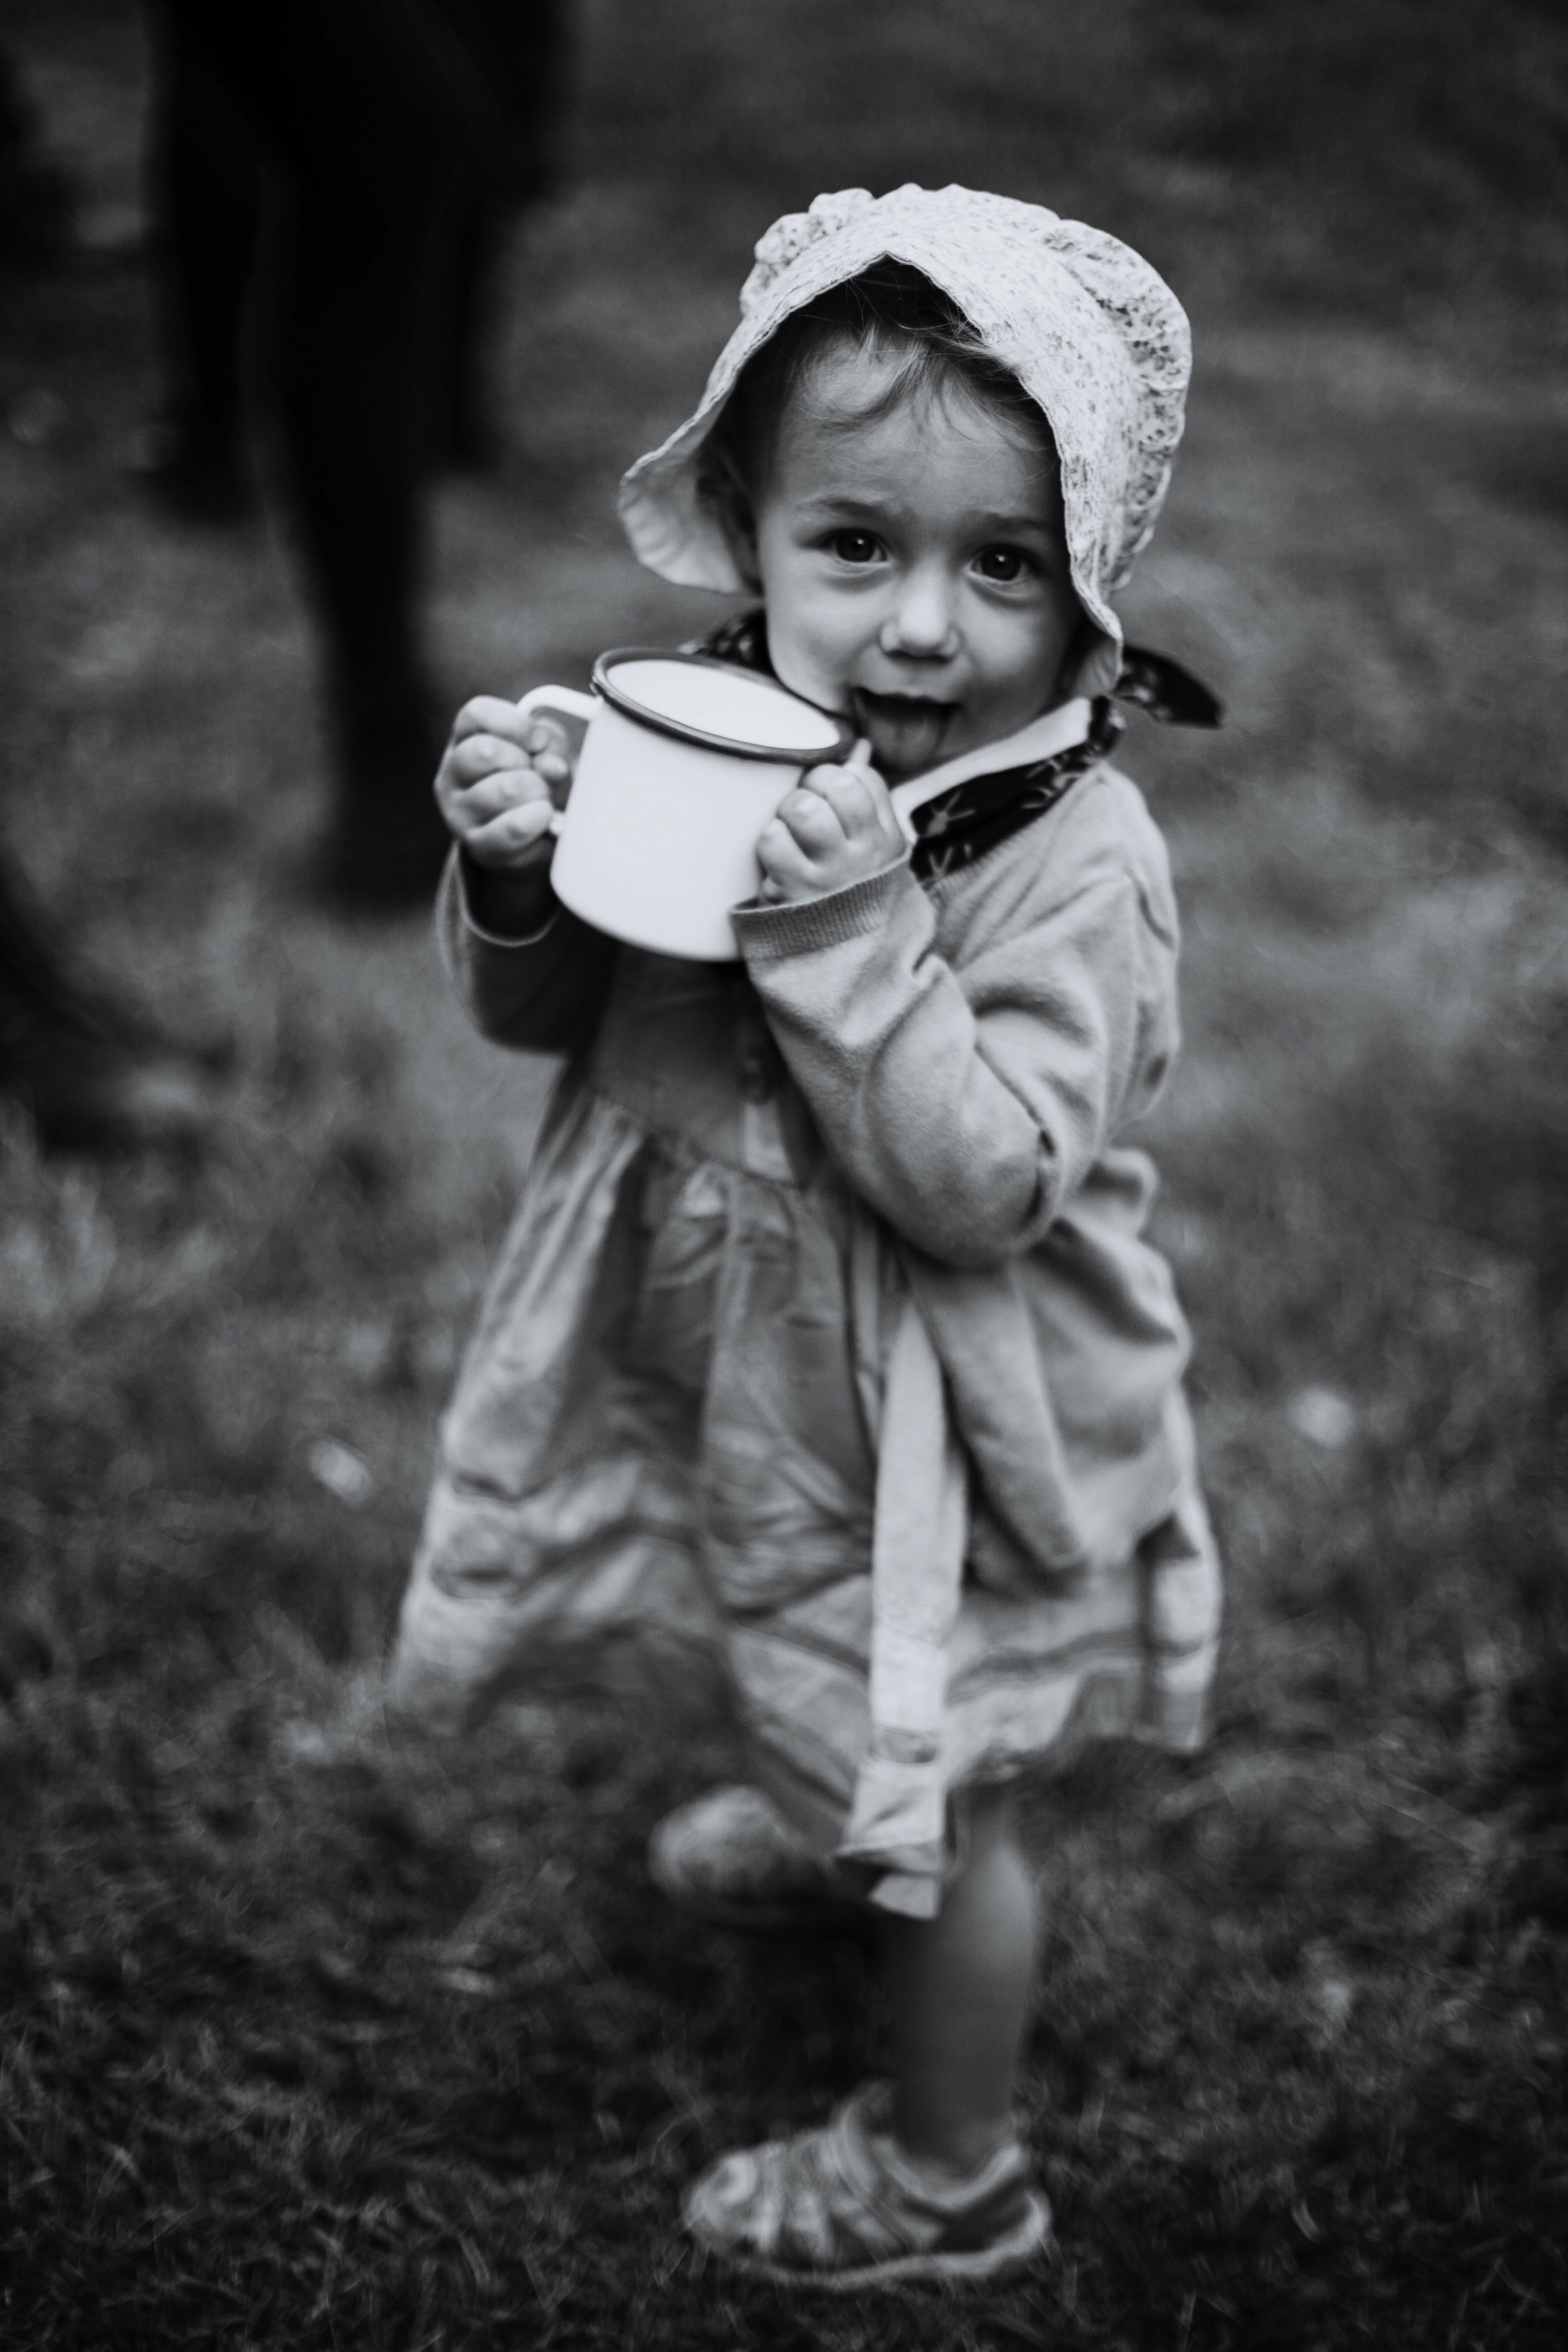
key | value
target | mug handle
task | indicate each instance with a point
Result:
(570, 704)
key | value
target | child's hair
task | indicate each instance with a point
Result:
(891, 309)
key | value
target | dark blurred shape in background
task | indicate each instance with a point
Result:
(34, 200)
(334, 175)
(90, 1076)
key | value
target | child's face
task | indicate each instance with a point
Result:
(914, 564)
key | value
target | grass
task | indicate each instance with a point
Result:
(316, 2040)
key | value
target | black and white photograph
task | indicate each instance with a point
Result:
(784, 1176)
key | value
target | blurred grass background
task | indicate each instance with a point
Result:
(315, 2042)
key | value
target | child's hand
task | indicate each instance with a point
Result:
(836, 826)
(493, 785)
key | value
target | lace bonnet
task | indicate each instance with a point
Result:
(1093, 334)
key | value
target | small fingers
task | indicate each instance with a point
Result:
(845, 792)
(546, 740)
(487, 716)
(469, 810)
(811, 817)
(836, 828)
(786, 866)
(478, 755)
(516, 837)
(484, 755)
(507, 788)
(854, 784)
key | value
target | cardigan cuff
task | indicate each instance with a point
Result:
(457, 880)
(800, 926)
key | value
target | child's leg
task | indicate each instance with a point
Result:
(932, 2183)
(960, 1987)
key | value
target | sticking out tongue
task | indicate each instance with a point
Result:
(906, 730)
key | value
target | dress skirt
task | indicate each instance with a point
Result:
(659, 1467)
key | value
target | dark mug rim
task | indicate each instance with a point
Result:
(789, 755)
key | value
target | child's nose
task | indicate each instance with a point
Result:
(920, 622)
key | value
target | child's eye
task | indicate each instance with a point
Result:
(1002, 563)
(854, 546)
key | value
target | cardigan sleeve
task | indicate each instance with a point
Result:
(542, 991)
(966, 1106)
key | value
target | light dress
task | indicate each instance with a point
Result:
(661, 1460)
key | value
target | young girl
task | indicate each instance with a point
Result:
(827, 1349)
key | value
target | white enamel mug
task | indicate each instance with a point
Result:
(684, 761)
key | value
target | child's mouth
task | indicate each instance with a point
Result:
(906, 730)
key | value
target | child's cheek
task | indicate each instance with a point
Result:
(807, 658)
(833, 634)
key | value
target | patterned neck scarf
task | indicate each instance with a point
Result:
(980, 813)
